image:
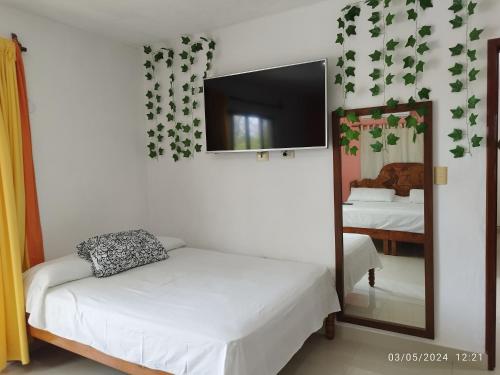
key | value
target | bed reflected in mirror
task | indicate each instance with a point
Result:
(383, 194)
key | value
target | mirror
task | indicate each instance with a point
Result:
(383, 217)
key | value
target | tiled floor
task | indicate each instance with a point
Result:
(351, 353)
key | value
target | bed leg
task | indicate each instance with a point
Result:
(330, 327)
(386, 247)
(371, 277)
(394, 248)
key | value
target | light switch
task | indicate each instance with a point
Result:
(441, 175)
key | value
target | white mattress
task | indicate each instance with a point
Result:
(360, 255)
(198, 312)
(400, 215)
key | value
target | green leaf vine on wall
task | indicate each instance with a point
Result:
(463, 72)
(382, 15)
(182, 116)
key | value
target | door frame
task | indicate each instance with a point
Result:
(491, 199)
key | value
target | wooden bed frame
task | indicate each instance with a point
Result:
(119, 364)
(402, 177)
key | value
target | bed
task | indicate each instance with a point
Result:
(198, 312)
(391, 222)
(360, 257)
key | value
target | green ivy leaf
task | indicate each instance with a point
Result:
(457, 86)
(375, 90)
(151, 146)
(170, 117)
(425, 31)
(471, 8)
(196, 47)
(157, 86)
(391, 45)
(147, 50)
(169, 63)
(185, 111)
(376, 132)
(389, 78)
(340, 38)
(375, 32)
(212, 45)
(472, 54)
(353, 150)
(376, 74)
(388, 60)
(197, 148)
(457, 22)
(184, 68)
(184, 55)
(197, 134)
(338, 79)
(392, 103)
(341, 23)
(349, 87)
(376, 114)
(158, 98)
(161, 151)
(473, 119)
(175, 157)
(409, 62)
(457, 50)
(149, 94)
(376, 55)
(411, 42)
(409, 79)
(185, 99)
(375, 17)
(158, 56)
(473, 74)
(351, 30)
(426, 4)
(389, 19)
(352, 13)
(420, 128)
(160, 138)
(408, 2)
(420, 66)
(172, 105)
(392, 139)
(412, 14)
(151, 133)
(171, 133)
(178, 126)
(149, 76)
(473, 102)
(412, 101)
(158, 110)
(186, 129)
(185, 87)
(150, 116)
(457, 113)
(350, 71)
(186, 153)
(148, 64)
(340, 62)
(456, 69)
(387, 3)
(456, 135)
(422, 111)
(185, 39)
(458, 152)
(475, 34)
(373, 3)
(193, 78)
(160, 127)
(377, 146)
(411, 122)
(196, 122)
(350, 55)
(149, 105)
(195, 104)
(476, 140)
(457, 6)
(422, 48)
(393, 121)
(352, 117)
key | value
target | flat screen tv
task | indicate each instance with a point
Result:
(281, 108)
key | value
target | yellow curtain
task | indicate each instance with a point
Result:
(13, 338)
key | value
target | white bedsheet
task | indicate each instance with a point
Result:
(360, 255)
(400, 215)
(198, 312)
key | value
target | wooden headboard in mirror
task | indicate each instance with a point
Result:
(401, 177)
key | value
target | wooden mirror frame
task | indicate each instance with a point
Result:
(428, 330)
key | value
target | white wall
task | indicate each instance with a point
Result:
(86, 118)
(283, 208)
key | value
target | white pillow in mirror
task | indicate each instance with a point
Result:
(371, 195)
(417, 196)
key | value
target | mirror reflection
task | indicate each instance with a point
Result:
(383, 219)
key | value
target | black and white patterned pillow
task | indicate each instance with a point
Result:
(113, 253)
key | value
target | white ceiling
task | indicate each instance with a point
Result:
(140, 21)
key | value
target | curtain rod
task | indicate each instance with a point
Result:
(14, 38)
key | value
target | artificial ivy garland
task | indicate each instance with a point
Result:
(183, 129)
(463, 72)
(382, 16)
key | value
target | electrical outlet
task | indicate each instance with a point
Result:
(288, 154)
(263, 156)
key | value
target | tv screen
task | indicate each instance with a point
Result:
(278, 108)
